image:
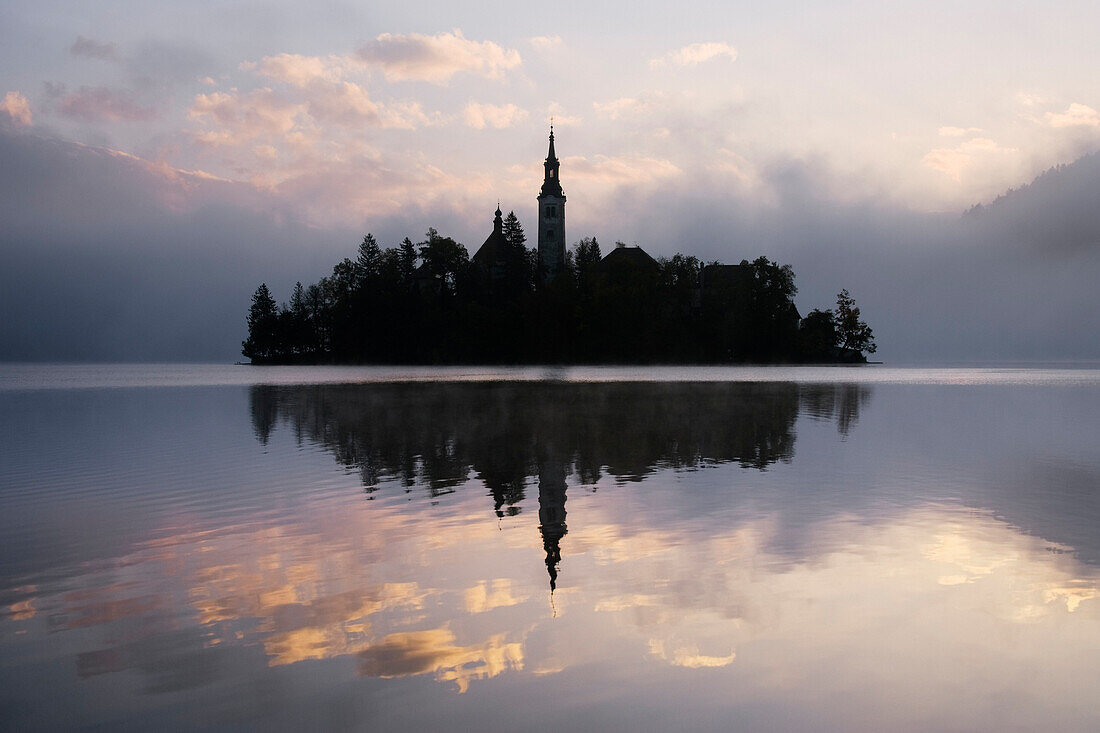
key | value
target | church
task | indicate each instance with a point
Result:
(493, 256)
(551, 232)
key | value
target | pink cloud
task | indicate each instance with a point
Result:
(99, 103)
(1075, 115)
(696, 53)
(299, 71)
(616, 170)
(479, 116)
(436, 58)
(239, 118)
(15, 104)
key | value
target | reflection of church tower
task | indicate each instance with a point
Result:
(552, 513)
(551, 217)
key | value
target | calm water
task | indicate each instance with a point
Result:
(716, 549)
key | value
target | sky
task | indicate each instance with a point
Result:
(160, 159)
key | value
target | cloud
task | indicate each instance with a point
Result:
(953, 161)
(92, 104)
(1075, 114)
(544, 43)
(94, 49)
(622, 107)
(298, 71)
(497, 116)
(695, 54)
(557, 113)
(415, 56)
(619, 170)
(239, 118)
(15, 104)
(959, 131)
(1028, 100)
(299, 119)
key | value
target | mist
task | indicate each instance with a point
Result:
(106, 257)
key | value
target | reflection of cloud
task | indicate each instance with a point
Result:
(436, 58)
(22, 610)
(1073, 596)
(433, 651)
(687, 656)
(406, 590)
(485, 596)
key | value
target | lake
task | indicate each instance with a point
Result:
(644, 549)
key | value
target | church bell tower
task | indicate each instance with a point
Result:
(551, 218)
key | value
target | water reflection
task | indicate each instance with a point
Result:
(435, 435)
(577, 545)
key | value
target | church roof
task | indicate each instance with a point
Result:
(622, 259)
(495, 248)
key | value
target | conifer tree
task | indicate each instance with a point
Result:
(369, 261)
(518, 272)
(263, 326)
(513, 231)
(406, 260)
(298, 336)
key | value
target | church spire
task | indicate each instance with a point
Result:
(550, 183)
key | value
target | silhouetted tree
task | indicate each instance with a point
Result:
(586, 255)
(817, 336)
(298, 337)
(263, 327)
(513, 230)
(369, 260)
(855, 335)
(406, 259)
(447, 260)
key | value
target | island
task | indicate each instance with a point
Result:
(432, 303)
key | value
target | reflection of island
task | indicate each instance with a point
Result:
(511, 434)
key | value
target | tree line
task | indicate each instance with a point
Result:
(430, 303)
